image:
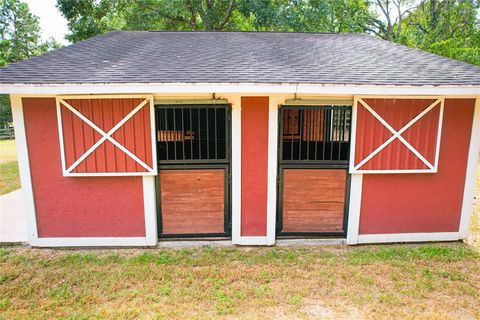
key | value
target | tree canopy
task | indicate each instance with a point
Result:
(449, 28)
(91, 17)
(20, 34)
(19, 40)
(446, 27)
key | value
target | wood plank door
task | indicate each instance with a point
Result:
(193, 202)
(314, 146)
(313, 200)
(193, 152)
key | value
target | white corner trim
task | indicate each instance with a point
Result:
(150, 208)
(153, 130)
(272, 169)
(467, 204)
(92, 242)
(24, 166)
(397, 134)
(354, 206)
(236, 166)
(148, 100)
(408, 237)
(252, 241)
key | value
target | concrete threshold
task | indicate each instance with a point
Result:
(228, 243)
(193, 243)
(309, 242)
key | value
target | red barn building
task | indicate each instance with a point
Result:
(131, 138)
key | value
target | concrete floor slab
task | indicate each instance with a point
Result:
(13, 228)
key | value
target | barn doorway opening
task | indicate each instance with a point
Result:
(193, 185)
(314, 147)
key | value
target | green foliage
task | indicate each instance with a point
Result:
(87, 18)
(449, 28)
(19, 33)
(180, 15)
(5, 110)
(19, 40)
(307, 16)
(450, 48)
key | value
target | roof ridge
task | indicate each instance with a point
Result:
(242, 31)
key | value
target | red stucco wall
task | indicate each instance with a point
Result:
(431, 202)
(74, 206)
(254, 165)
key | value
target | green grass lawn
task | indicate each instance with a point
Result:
(434, 281)
(9, 177)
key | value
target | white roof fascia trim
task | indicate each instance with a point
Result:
(285, 88)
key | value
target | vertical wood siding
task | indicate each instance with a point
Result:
(402, 203)
(313, 200)
(397, 112)
(134, 135)
(192, 201)
(76, 207)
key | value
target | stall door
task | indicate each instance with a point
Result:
(314, 143)
(193, 190)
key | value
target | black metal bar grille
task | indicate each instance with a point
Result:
(192, 134)
(315, 134)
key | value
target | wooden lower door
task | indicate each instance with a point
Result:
(193, 202)
(313, 160)
(312, 201)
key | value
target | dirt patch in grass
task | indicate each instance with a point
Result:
(438, 281)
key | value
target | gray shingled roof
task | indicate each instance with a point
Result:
(240, 57)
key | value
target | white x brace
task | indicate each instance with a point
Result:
(105, 135)
(398, 135)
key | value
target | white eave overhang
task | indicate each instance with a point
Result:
(232, 88)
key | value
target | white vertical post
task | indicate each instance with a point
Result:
(149, 204)
(356, 181)
(467, 204)
(354, 208)
(272, 169)
(24, 166)
(153, 129)
(353, 134)
(354, 205)
(236, 166)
